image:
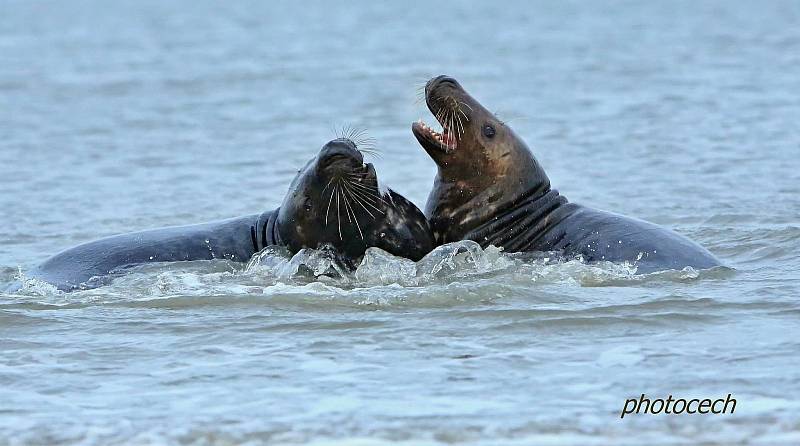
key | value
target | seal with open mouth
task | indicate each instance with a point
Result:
(489, 188)
(335, 200)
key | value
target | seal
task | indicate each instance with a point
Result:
(336, 200)
(491, 189)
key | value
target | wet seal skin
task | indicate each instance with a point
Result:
(335, 202)
(491, 189)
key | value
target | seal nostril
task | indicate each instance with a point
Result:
(440, 81)
(340, 151)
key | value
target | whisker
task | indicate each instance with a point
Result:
(452, 140)
(356, 133)
(358, 200)
(460, 127)
(341, 131)
(349, 211)
(344, 198)
(420, 92)
(506, 118)
(329, 204)
(326, 186)
(338, 215)
(367, 189)
(364, 143)
(368, 202)
(365, 186)
(364, 138)
(369, 144)
(359, 175)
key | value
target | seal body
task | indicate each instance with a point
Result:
(490, 188)
(549, 223)
(599, 235)
(334, 201)
(92, 264)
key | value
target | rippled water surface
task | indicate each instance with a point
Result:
(118, 117)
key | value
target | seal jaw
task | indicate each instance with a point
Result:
(442, 98)
(433, 141)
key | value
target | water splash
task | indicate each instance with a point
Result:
(28, 286)
(321, 272)
(276, 263)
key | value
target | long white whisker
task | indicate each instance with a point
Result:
(329, 204)
(359, 177)
(451, 141)
(355, 218)
(346, 206)
(358, 200)
(368, 202)
(366, 188)
(326, 187)
(338, 215)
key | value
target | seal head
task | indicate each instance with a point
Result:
(489, 188)
(484, 167)
(337, 200)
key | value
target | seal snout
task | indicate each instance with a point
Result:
(440, 81)
(442, 95)
(342, 152)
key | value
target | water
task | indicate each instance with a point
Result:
(118, 117)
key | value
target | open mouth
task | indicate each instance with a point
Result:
(342, 159)
(442, 95)
(444, 141)
(364, 174)
(369, 173)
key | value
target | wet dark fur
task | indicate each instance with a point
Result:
(490, 188)
(307, 218)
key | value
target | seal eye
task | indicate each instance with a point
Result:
(307, 204)
(488, 131)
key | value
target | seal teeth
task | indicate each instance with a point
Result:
(443, 137)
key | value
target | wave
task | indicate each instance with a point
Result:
(460, 273)
(760, 246)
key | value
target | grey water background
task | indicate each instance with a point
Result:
(123, 116)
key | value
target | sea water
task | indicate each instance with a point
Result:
(117, 117)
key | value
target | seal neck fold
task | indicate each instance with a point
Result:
(520, 226)
(265, 231)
